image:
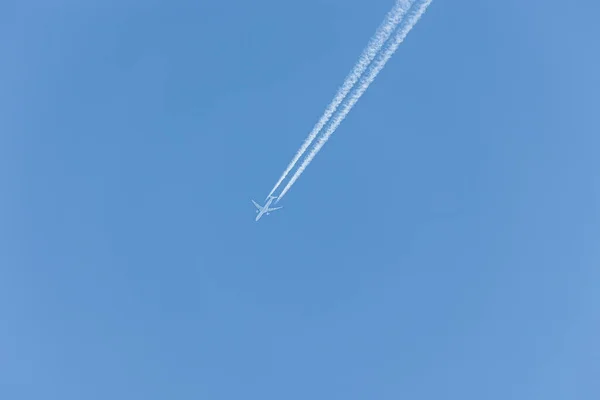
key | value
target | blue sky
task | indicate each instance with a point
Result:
(444, 244)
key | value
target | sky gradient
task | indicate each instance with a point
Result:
(442, 245)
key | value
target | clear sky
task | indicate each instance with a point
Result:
(443, 245)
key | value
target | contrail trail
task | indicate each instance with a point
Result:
(413, 17)
(383, 33)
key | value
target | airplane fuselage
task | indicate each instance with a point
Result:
(264, 209)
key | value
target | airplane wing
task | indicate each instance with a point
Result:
(273, 209)
(256, 205)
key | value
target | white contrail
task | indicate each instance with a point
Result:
(383, 33)
(411, 20)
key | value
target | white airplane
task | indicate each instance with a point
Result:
(265, 210)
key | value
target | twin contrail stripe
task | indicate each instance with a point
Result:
(383, 33)
(413, 17)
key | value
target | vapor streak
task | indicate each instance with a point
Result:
(406, 26)
(383, 33)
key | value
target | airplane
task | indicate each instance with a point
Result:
(265, 210)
